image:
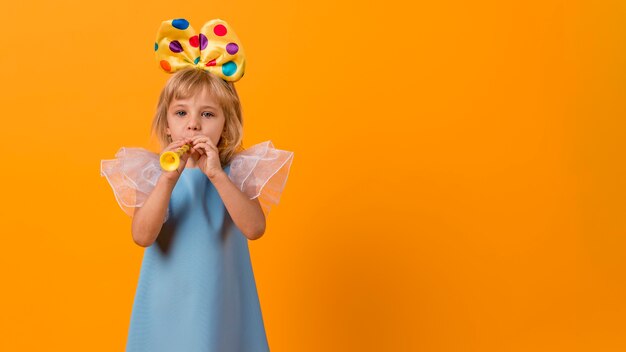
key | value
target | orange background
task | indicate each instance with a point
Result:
(458, 181)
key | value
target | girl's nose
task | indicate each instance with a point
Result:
(194, 124)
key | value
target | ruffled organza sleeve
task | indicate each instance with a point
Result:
(133, 174)
(261, 171)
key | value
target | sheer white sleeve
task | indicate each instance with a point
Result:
(261, 171)
(133, 174)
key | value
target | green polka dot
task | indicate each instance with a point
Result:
(229, 68)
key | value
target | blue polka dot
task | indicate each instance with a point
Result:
(156, 46)
(180, 23)
(196, 60)
(229, 68)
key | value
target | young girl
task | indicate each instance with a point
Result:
(196, 289)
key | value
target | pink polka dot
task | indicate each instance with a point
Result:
(193, 41)
(211, 63)
(219, 30)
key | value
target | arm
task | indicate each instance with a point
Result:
(246, 213)
(148, 219)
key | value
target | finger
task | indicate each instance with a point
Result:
(199, 140)
(183, 161)
(196, 153)
(194, 146)
(177, 143)
(171, 147)
(205, 146)
(212, 147)
(199, 150)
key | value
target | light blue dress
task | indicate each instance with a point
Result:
(196, 289)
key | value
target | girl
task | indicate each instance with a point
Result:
(196, 289)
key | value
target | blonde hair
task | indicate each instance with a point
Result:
(187, 82)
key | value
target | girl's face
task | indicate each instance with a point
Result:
(199, 114)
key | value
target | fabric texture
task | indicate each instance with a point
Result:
(196, 289)
(262, 171)
(216, 48)
(258, 171)
(132, 175)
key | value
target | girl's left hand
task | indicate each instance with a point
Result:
(209, 159)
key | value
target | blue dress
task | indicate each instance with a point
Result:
(196, 289)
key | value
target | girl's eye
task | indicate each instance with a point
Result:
(208, 114)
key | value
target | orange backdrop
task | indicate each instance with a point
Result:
(458, 181)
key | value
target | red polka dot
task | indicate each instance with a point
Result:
(193, 41)
(165, 65)
(219, 30)
(211, 63)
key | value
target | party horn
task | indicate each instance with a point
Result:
(170, 160)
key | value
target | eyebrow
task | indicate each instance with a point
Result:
(202, 107)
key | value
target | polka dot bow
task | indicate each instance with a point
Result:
(215, 49)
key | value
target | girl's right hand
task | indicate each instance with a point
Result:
(175, 174)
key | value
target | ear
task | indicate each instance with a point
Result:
(167, 130)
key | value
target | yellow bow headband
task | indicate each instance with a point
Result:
(216, 48)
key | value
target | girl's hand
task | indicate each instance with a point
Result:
(209, 156)
(175, 174)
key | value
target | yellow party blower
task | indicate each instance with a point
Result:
(170, 160)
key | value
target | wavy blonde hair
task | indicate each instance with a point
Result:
(187, 82)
